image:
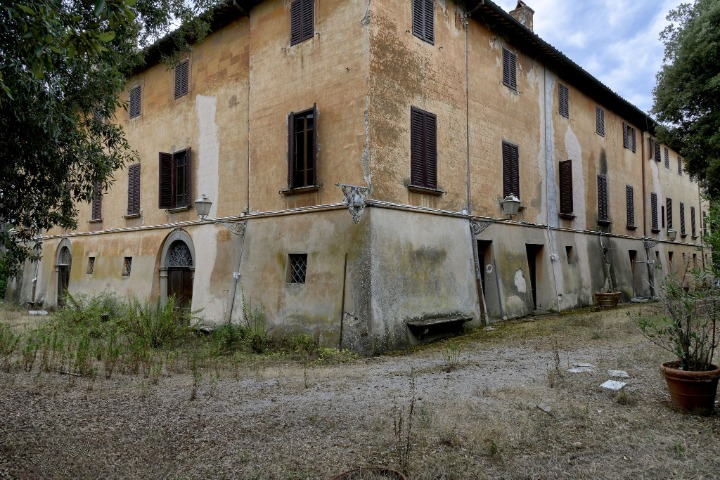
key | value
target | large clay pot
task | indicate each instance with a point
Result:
(693, 392)
(607, 300)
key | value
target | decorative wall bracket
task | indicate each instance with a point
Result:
(236, 228)
(355, 197)
(478, 226)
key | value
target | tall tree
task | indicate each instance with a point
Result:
(687, 94)
(63, 64)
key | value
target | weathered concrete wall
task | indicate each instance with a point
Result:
(422, 266)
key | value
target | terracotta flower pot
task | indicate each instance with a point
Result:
(692, 392)
(607, 300)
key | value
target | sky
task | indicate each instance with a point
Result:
(616, 41)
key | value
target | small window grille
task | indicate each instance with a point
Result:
(564, 100)
(600, 121)
(181, 79)
(91, 265)
(135, 102)
(298, 267)
(127, 266)
(667, 158)
(509, 69)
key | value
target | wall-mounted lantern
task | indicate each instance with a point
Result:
(672, 234)
(510, 205)
(202, 206)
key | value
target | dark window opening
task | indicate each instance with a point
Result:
(629, 138)
(600, 121)
(667, 158)
(423, 20)
(297, 269)
(602, 185)
(302, 21)
(181, 79)
(423, 149)
(134, 108)
(569, 254)
(127, 266)
(175, 185)
(302, 149)
(657, 152)
(511, 169)
(509, 69)
(566, 188)
(91, 265)
(670, 257)
(693, 225)
(564, 101)
(133, 205)
(662, 216)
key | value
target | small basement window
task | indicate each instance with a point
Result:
(91, 265)
(569, 254)
(297, 267)
(127, 266)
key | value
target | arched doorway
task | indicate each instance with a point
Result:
(63, 264)
(177, 268)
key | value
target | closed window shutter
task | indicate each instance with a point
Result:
(668, 209)
(291, 149)
(630, 202)
(654, 210)
(657, 152)
(312, 180)
(97, 201)
(564, 100)
(511, 170)
(418, 18)
(626, 136)
(682, 219)
(667, 158)
(308, 29)
(509, 69)
(133, 189)
(424, 20)
(423, 146)
(181, 79)
(566, 187)
(166, 170)
(633, 140)
(693, 225)
(134, 109)
(296, 25)
(680, 165)
(600, 121)
(431, 150)
(429, 21)
(602, 198)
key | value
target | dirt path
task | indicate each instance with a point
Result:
(494, 404)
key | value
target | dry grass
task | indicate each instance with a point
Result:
(483, 406)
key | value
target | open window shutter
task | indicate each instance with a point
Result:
(430, 152)
(515, 164)
(566, 190)
(188, 177)
(313, 180)
(166, 181)
(133, 189)
(291, 148)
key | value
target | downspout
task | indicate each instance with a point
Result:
(650, 273)
(236, 275)
(249, 83)
(548, 146)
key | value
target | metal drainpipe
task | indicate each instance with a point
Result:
(547, 190)
(236, 275)
(651, 278)
(248, 111)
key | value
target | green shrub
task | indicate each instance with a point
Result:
(156, 324)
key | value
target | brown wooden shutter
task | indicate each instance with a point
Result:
(97, 201)
(657, 152)
(133, 207)
(634, 140)
(626, 136)
(418, 18)
(165, 197)
(429, 19)
(430, 153)
(693, 224)
(654, 210)
(511, 170)
(563, 101)
(682, 219)
(630, 203)
(308, 29)
(417, 164)
(668, 210)
(600, 121)
(602, 198)
(566, 187)
(291, 149)
(424, 20)
(302, 21)
(134, 109)
(188, 178)
(509, 69)
(181, 79)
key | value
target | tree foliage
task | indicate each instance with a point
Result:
(687, 94)
(63, 64)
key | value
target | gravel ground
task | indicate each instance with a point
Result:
(497, 403)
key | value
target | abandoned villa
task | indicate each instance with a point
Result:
(377, 172)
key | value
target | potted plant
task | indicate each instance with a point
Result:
(608, 297)
(688, 329)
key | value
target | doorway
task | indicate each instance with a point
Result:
(177, 269)
(63, 265)
(633, 260)
(534, 256)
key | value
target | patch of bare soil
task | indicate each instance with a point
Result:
(496, 403)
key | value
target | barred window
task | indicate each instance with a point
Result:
(603, 214)
(297, 268)
(563, 100)
(630, 201)
(654, 209)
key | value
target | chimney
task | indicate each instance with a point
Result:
(523, 14)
